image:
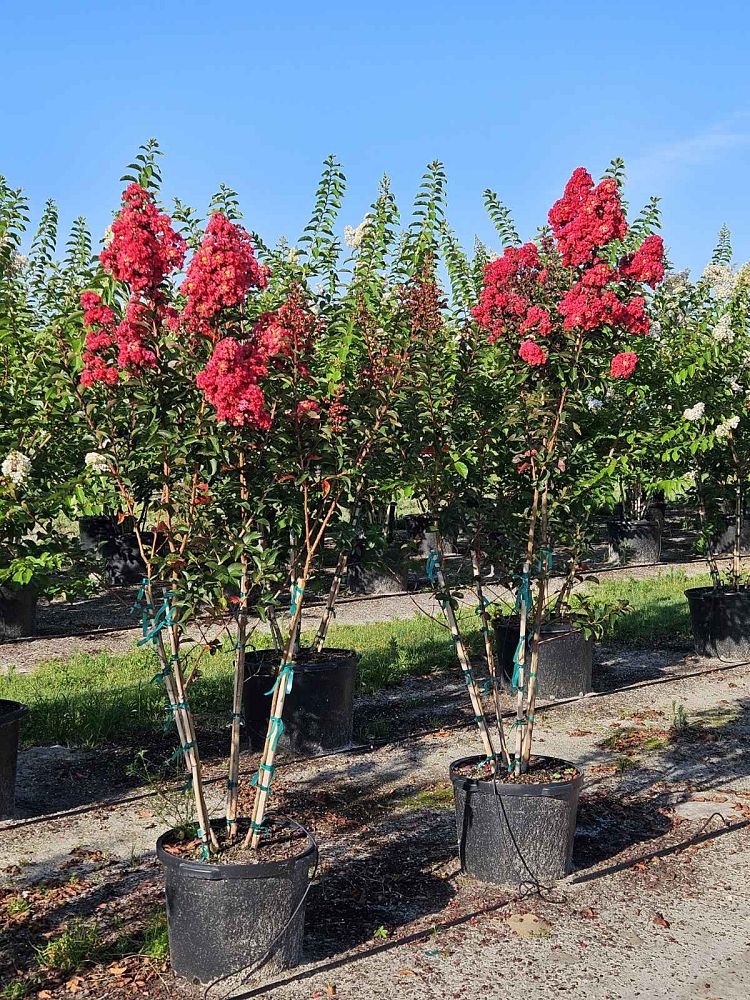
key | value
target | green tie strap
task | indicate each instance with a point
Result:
(285, 673)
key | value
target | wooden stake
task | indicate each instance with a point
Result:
(489, 649)
(333, 593)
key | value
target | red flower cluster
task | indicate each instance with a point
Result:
(532, 353)
(144, 247)
(105, 336)
(230, 383)
(221, 273)
(623, 365)
(647, 263)
(506, 299)
(288, 331)
(308, 409)
(586, 218)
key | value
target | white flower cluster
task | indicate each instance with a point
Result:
(694, 412)
(292, 255)
(96, 461)
(725, 428)
(676, 282)
(594, 404)
(16, 467)
(354, 236)
(721, 278)
(723, 331)
(109, 235)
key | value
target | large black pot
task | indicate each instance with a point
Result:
(17, 612)
(636, 542)
(565, 658)
(223, 918)
(721, 622)
(11, 714)
(318, 711)
(116, 545)
(512, 833)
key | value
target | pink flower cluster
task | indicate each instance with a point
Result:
(586, 218)
(144, 248)
(230, 383)
(288, 331)
(623, 365)
(107, 340)
(506, 299)
(646, 264)
(221, 273)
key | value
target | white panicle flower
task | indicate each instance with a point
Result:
(721, 278)
(689, 478)
(694, 412)
(96, 461)
(735, 386)
(723, 331)
(109, 235)
(16, 467)
(726, 427)
(353, 236)
(292, 255)
(676, 282)
(594, 404)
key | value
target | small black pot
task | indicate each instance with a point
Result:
(11, 714)
(223, 918)
(117, 547)
(636, 542)
(720, 621)
(318, 711)
(512, 833)
(565, 662)
(17, 612)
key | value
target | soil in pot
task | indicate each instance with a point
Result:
(636, 542)
(226, 915)
(565, 658)
(512, 832)
(720, 621)
(17, 612)
(11, 715)
(318, 711)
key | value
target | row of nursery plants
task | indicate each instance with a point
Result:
(244, 409)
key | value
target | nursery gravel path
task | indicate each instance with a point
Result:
(657, 908)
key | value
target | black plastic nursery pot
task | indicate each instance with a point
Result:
(565, 663)
(17, 612)
(319, 709)
(636, 542)
(720, 620)
(510, 833)
(11, 716)
(224, 918)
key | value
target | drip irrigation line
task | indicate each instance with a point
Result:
(361, 748)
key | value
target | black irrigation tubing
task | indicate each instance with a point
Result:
(362, 748)
(317, 602)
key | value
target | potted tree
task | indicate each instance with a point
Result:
(563, 315)
(705, 340)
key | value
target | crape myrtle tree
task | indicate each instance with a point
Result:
(41, 444)
(704, 345)
(233, 406)
(567, 318)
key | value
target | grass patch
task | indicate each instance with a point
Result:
(111, 698)
(156, 940)
(78, 943)
(659, 609)
(439, 796)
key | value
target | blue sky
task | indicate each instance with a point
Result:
(512, 96)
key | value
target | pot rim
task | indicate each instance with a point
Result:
(512, 621)
(343, 659)
(711, 593)
(486, 786)
(239, 870)
(11, 711)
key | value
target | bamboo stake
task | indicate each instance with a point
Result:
(538, 622)
(233, 772)
(524, 613)
(333, 593)
(462, 653)
(476, 562)
(737, 534)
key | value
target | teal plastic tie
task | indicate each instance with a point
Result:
(433, 564)
(277, 728)
(297, 593)
(181, 750)
(162, 619)
(523, 594)
(255, 780)
(286, 673)
(518, 662)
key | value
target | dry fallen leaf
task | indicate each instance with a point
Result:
(330, 990)
(661, 921)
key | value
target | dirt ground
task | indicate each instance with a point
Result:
(657, 906)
